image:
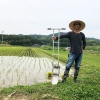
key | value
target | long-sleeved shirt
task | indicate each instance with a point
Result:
(77, 41)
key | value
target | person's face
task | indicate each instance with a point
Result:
(77, 26)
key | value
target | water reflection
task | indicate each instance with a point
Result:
(24, 70)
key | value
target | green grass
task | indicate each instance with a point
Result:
(88, 87)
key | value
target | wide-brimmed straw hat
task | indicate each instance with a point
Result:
(78, 21)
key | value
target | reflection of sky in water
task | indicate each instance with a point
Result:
(24, 70)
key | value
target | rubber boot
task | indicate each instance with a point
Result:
(75, 75)
(65, 75)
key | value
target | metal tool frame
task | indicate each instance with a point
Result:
(56, 66)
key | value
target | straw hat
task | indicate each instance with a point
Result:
(79, 21)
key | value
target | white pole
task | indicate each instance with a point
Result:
(53, 49)
(58, 45)
(2, 36)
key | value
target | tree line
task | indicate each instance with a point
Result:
(31, 40)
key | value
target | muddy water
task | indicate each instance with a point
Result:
(16, 70)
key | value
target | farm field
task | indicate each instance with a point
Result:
(88, 87)
(24, 66)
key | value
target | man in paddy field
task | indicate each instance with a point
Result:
(77, 46)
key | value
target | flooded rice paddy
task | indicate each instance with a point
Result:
(15, 70)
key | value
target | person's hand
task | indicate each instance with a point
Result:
(53, 38)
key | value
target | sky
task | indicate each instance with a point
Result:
(35, 16)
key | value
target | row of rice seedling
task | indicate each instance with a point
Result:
(29, 66)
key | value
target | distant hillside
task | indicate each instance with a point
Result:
(32, 39)
(92, 39)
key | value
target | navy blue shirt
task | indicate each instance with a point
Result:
(77, 41)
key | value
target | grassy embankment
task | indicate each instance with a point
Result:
(88, 87)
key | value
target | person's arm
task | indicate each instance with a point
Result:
(61, 36)
(84, 41)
